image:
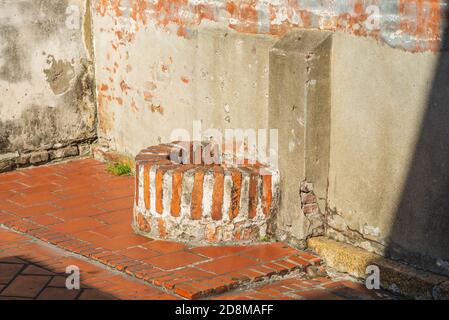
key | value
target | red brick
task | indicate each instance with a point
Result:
(174, 260)
(78, 212)
(188, 291)
(318, 295)
(4, 195)
(252, 209)
(117, 204)
(45, 220)
(92, 294)
(10, 186)
(218, 191)
(76, 202)
(197, 196)
(175, 208)
(161, 227)
(26, 286)
(76, 225)
(115, 216)
(235, 194)
(45, 187)
(7, 206)
(146, 185)
(90, 236)
(58, 281)
(8, 272)
(35, 210)
(279, 269)
(58, 294)
(139, 253)
(267, 196)
(159, 190)
(253, 275)
(37, 271)
(122, 242)
(309, 257)
(216, 251)
(287, 264)
(34, 199)
(298, 260)
(270, 252)
(115, 230)
(165, 246)
(228, 264)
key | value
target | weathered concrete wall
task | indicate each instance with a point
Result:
(388, 179)
(365, 128)
(299, 108)
(162, 64)
(151, 82)
(47, 107)
(208, 53)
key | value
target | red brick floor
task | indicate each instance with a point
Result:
(79, 207)
(29, 270)
(300, 288)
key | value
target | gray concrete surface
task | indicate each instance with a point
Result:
(300, 109)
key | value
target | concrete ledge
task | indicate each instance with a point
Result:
(394, 276)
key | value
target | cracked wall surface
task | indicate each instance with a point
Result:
(47, 110)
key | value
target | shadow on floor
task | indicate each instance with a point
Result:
(21, 279)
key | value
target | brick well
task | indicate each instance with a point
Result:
(213, 203)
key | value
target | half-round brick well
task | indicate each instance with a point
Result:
(200, 203)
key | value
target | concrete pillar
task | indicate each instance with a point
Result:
(299, 107)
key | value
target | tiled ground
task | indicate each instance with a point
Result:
(29, 270)
(80, 208)
(299, 288)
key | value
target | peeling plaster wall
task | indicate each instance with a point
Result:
(151, 81)
(414, 25)
(46, 78)
(162, 64)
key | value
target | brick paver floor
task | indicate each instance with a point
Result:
(301, 288)
(79, 207)
(31, 270)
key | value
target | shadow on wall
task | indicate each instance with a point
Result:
(420, 234)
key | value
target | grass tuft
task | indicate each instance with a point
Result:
(119, 169)
(265, 238)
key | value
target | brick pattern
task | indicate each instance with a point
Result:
(79, 207)
(302, 288)
(31, 271)
(196, 203)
